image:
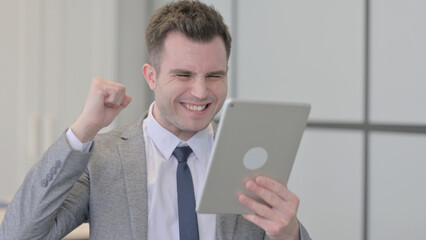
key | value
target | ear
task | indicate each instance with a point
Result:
(150, 75)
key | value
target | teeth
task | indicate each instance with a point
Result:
(195, 108)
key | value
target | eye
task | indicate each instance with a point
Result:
(183, 75)
(214, 76)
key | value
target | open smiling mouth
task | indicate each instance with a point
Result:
(196, 108)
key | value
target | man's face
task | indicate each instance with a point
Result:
(191, 86)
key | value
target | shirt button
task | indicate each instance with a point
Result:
(53, 171)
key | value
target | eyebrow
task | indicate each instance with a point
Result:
(182, 71)
(220, 72)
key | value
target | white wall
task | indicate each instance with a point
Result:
(9, 20)
(50, 50)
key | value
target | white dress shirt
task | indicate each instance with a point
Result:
(163, 222)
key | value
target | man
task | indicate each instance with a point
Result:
(126, 182)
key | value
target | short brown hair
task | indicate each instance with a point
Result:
(194, 19)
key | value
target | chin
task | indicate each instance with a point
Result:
(196, 127)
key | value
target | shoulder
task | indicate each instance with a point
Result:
(121, 133)
(107, 143)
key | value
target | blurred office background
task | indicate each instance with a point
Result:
(361, 64)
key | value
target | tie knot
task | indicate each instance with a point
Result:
(182, 153)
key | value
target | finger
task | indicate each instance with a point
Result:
(274, 223)
(270, 198)
(126, 101)
(258, 208)
(282, 207)
(115, 95)
(264, 214)
(277, 188)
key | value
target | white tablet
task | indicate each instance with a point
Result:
(253, 138)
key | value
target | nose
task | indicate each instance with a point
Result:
(199, 88)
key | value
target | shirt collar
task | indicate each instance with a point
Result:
(166, 142)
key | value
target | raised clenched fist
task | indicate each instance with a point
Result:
(105, 101)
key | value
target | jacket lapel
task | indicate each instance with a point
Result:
(132, 155)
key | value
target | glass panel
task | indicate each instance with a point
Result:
(308, 51)
(398, 57)
(397, 194)
(328, 178)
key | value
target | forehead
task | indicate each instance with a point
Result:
(184, 53)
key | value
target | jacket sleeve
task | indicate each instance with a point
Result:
(303, 233)
(54, 197)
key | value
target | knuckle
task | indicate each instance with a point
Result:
(264, 211)
(120, 88)
(296, 200)
(96, 80)
(258, 190)
(281, 189)
(271, 183)
(97, 90)
(276, 200)
(250, 203)
(97, 83)
(261, 212)
(290, 211)
(284, 222)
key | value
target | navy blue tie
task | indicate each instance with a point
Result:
(188, 224)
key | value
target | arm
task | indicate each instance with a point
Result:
(54, 197)
(278, 216)
(38, 202)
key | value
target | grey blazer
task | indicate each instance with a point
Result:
(64, 189)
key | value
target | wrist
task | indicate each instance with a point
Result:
(83, 131)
